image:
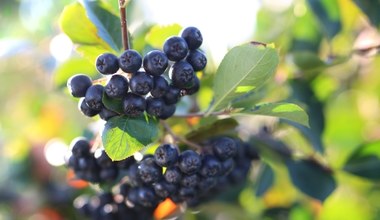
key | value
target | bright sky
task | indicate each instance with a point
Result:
(223, 23)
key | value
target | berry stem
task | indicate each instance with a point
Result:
(179, 138)
(123, 22)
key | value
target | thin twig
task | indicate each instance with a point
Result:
(202, 114)
(179, 138)
(123, 22)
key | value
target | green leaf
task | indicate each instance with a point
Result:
(288, 111)
(158, 34)
(245, 68)
(123, 136)
(308, 61)
(212, 129)
(76, 25)
(311, 178)
(328, 14)
(371, 8)
(115, 105)
(71, 67)
(107, 24)
(365, 161)
(264, 180)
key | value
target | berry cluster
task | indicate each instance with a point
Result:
(188, 176)
(154, 83)
(95, 167)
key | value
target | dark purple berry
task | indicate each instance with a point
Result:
(193, 89)
(78, 85)
(160, 87)
(187, 192)
(85, 109)
(224, 148)
(149, 171)
(80, 147)
(108, 174)
(189, 162)
(164, 189)
(193, 37)
(227, 166)
(103, 159)
(166, 155)
(94, 96)
(175, 48)
(133, 105)
(107, 114)
(155, 106)
(173, 175)
(117, 87)
(167, 112)
(190, 180)
(133, 175)
(147, 197)
(155, 62)
(141, 83)
(130, 61)
(197, 59)
(107, 63)
(182, 75)
(210, 166)
(172, 95)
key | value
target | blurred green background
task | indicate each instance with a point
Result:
(329, 63)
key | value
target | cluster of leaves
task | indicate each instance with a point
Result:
(237, 90)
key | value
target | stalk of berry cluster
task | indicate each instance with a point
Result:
(123, 22)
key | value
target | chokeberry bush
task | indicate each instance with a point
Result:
(173, 134)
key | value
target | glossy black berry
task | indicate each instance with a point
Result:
(190, 180)
(197, 59)
(155, 62)
(224, 148)
(227, 166)
(160, 87)
(149, 171)
(133, 175)
(117, 87)
(166, 155)
(107, 114)
(102, 159)
(189, 162)
(80, 147)
(78, 85)
(133, 105)
(107, 63)
(94, 95)
(172, 96)
(147, 197)
(210, 166)
(164, 189)
(155, 106)
(193, 37)
(168, 111)
(187, 192)
(108, 174)
(85, 109)
(175, 48)
(130, 61)
(193, 89)
(182, 74)
(173, 175)
(141, 83)
(207, 183)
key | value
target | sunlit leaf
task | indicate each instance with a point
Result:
(212, 129)
(242, 70)
(158, 34)
(288, 111)
(123, 136)
(71, 67)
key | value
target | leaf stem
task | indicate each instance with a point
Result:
(204, 114)
(123, 22)
(179, 138)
